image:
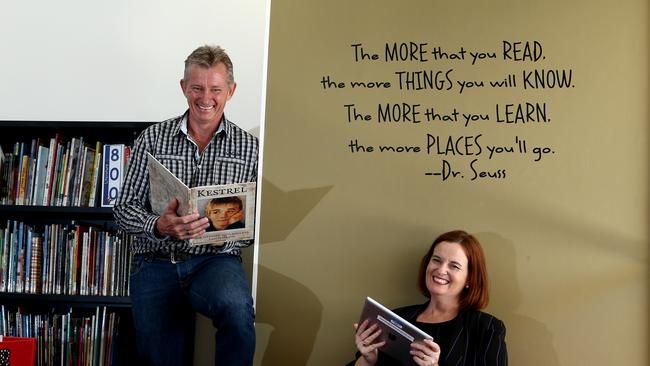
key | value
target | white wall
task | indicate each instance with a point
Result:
(122, 60)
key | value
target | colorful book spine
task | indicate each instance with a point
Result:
(39, 176)
(94, 183)
(31, 171)
(36, 274)
(51, 168)
(61, 174)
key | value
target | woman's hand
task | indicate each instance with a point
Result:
(425, 353)
(364, 338)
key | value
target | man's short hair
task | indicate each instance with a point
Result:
(225, 200)
(208, 56)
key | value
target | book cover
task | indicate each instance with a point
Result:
(230, 208)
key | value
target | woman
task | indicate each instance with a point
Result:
(453, 275)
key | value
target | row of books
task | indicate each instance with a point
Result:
(62, 173)
(63, 259)
(67, 339)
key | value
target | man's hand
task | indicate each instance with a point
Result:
(180, 227)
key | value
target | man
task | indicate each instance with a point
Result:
(169, 279)
(225, 213)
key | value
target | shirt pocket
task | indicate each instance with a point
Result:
(229, 170)
(175, 163)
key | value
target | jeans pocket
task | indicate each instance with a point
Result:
(136, 265)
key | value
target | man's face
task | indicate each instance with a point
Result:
(220, 214)
(207, 91)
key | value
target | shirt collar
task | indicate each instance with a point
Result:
(224, 125)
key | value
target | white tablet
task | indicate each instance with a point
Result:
(395, 331)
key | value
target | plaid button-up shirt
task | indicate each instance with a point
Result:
(230, 157)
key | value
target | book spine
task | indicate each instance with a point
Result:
(13, 255)
(24, 168)
(36, 265)
(17, 198)
(78, 177)
(94, 182)
(61, 174)
(84, 190)
(41, 172)
(45, 247)
(70, 171)
(107, 250)
(6, 252)
(3, 259)
(28, 259)
(14, 175)
(31, 170)
(51, 169)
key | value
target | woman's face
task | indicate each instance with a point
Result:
(446, 274)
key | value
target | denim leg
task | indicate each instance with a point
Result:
(163, 318)
(220, 291)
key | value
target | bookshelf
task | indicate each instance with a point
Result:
(37, 217)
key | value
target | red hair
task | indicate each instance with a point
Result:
(477, 296)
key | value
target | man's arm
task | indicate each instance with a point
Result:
(132, 211)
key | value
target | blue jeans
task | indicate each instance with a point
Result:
(165, 297)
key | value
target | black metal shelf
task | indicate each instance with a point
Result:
(22, 299)
(110, 132)
(14, 212)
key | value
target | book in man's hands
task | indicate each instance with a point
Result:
(230, 207)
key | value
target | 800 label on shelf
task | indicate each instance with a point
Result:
(114, 162)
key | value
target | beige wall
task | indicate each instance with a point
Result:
(566, 236)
